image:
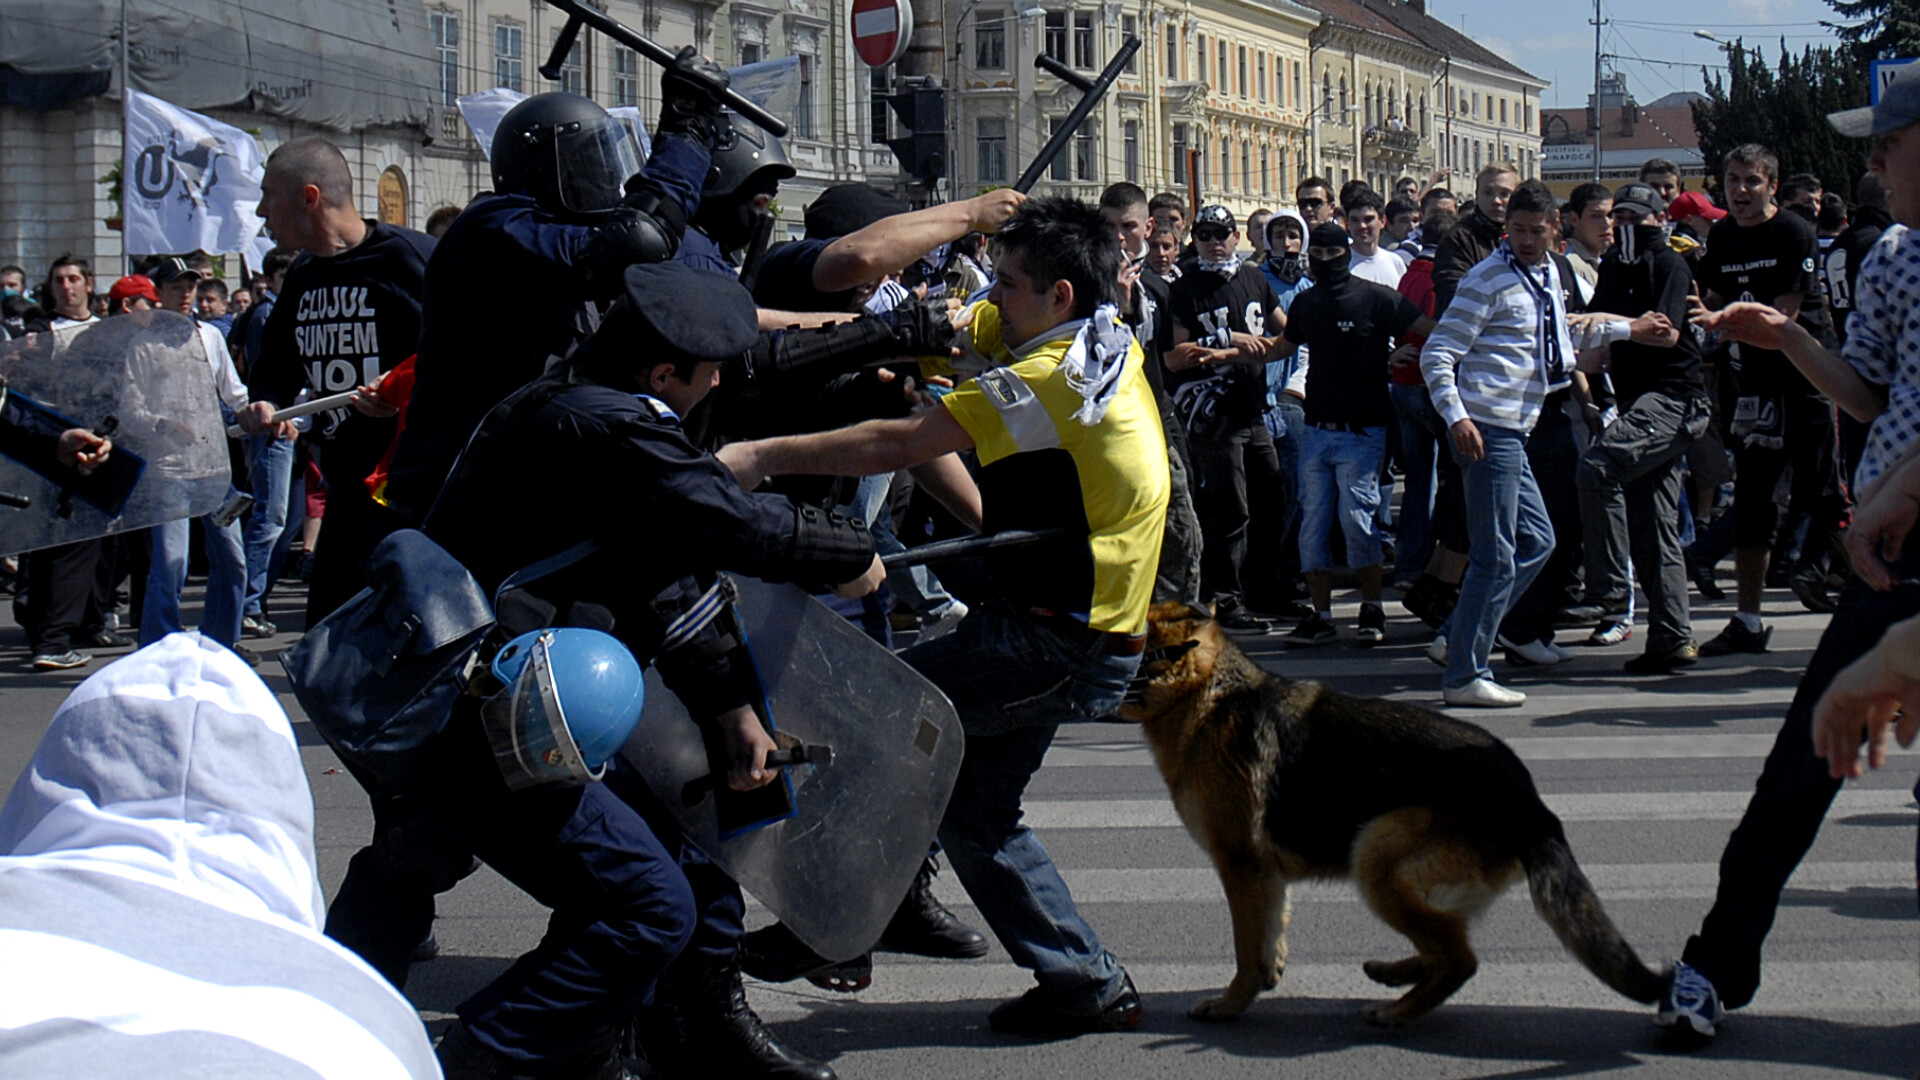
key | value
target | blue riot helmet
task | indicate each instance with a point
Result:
(571, 698)
(564, 151)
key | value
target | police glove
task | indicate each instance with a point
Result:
(921, 327)
(690, 95)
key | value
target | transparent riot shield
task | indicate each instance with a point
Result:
(835, 867)
(143, 380)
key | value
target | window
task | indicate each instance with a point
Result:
(1086, 162)
(1223, 68)
(1200, 54)
(1423, 116)
(626, 76)
(1226, 164)
(750, 52)
(1173, 53)
(1366, 103)
(1529, 111)
(1082, 166)
(1130, 27)
(1055, 44)
(1503, 110)
(990, 132)
(990, 40)
(1241, 86)
(879, 116)
(507, 52)
(1083, 39)
(444, 27)
(1130, 159)
(1246, 166)
(1342, 118)
(1476, 103)
(1179, 153)
(1286, 180)
(803, 105)
(1325, 104)
(573, 76)
(1266, 172)
(1296, 84)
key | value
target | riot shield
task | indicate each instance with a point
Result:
(835, 868)
(143, 380)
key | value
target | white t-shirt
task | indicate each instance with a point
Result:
(1382, 267)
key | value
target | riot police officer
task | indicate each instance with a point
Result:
(524, 267)
(597, 442)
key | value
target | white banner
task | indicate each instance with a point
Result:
(189, 182)
(484, 110)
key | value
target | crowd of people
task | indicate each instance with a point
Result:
(1622, 387)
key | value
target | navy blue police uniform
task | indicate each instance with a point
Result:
(605, 857)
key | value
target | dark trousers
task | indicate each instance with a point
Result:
(69, 594)
(1553, 456)
(1629, 484)
(347, 533)
(1789, 800)
(625, 895)
(1810, 451)
(1238, 464)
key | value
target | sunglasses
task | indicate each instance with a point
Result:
(1211, 236)
(1312, 204)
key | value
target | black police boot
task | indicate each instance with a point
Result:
(923, 926)
(729, 1037)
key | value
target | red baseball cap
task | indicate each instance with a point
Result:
(1689, 203)
(130, 286)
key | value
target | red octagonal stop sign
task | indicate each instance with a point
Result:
(881, 29)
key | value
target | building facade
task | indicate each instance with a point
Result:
(1630, 133)
(1214, 104)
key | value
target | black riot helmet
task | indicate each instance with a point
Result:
(747, 162)
(564, 151)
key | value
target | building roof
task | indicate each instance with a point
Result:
(1656, 130)
(1412, 19)
(1363, 14)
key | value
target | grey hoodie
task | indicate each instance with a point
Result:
(160, 911)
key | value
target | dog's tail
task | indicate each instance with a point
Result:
(1566, 900)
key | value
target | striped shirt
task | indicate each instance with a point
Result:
(1486, 361)
(1883, 345)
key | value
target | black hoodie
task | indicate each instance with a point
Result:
(1840, 264)
(1470, 241)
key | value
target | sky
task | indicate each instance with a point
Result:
(1553, 39)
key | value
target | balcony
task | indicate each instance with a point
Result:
(1391, 141)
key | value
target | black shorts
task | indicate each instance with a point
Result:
(1809, 449)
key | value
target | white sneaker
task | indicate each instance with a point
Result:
(1484, 694)
(1559, 650)
(1531, 652)
(943, 623)
(1437, 650)
(1691, 998)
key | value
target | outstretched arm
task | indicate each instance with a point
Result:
(877, 446)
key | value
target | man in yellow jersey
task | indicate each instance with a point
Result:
(1069, 438)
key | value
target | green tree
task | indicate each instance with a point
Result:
(1785, 108)
(1878, 29)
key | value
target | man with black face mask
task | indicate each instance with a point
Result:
(1629, 478)
(748, 165)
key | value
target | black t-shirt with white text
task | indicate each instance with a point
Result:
(342, 322)
(1213, 307)
(1763, 263)
(1351, 329)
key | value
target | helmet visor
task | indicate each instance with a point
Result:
(531, 742)
(591, 166)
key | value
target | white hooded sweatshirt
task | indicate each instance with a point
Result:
(160, 912)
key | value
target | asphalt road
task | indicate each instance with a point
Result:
(1649, 776)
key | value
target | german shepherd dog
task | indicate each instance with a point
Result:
(1431, 817)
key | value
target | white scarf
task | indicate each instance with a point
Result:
(1095, 361)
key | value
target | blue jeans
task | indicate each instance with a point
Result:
(1422, 433)
(1512, 537)
(917, 585)
(167, 576)
(270, 471)
(1339, 471)
(1014, 682)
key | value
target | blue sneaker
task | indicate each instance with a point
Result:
(1693, 999)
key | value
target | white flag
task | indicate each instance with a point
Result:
(484, 109)
(189, 182)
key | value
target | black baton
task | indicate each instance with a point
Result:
(582, 14)
(1091, 93)
(967, 547)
